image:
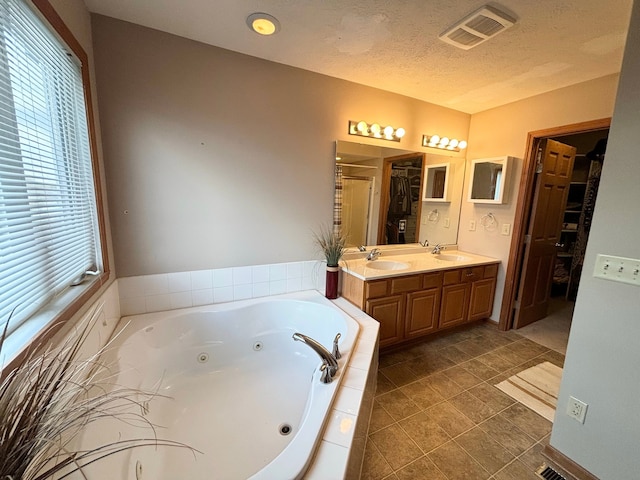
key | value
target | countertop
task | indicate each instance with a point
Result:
(395, 262)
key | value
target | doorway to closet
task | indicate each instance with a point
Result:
(558, 192)
(400, 205)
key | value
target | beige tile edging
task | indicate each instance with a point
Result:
(340, 456)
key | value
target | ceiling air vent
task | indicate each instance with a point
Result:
(478, 27)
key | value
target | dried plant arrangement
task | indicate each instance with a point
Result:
(332, 245)
(48, 400)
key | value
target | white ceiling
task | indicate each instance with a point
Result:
(394, 45)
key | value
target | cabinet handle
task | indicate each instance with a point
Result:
(471, 274)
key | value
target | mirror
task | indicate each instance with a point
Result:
(436, 185)
(362, 173)
(488, 182)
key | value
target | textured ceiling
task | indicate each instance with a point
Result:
(394, 45)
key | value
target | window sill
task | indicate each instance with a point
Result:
(43, 325)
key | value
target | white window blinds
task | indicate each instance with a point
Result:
(48, 220)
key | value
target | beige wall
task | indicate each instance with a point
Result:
(220, 159)
(602, 361)
(503, 131)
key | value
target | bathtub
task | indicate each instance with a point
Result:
(233, 384)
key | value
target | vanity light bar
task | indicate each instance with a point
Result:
(435, 141)
(364, 129)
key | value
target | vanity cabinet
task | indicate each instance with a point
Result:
(413, 306)
(389, 312)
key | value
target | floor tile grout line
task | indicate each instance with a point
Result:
(474, 458)
(373, 444)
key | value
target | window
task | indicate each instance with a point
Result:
(49, 228)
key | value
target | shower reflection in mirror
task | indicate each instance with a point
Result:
(382, 195)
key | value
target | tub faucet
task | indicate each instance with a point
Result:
(329, 363)
(437, 249)
(373, 254)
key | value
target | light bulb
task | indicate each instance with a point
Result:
(362, 127)
(434, 140)
(388, 131)
(263, 23)
(462, 145)
(400, 132)
(453, 143)
(444, 141)
(375, 129)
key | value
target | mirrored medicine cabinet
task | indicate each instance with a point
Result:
(489, 180)
(436, 185)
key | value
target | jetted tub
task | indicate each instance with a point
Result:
(242, 391)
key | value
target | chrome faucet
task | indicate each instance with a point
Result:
(362, 248)
(373, 254)
(425, 243)
(329, 362)
(437, 249)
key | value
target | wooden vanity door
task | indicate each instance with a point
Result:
(422, 312)
(389, 312)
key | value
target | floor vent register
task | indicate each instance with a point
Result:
(548, 473)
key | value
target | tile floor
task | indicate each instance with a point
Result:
(438, 416)
(553, 330)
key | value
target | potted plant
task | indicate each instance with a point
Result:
(49, 398)
(332, 244)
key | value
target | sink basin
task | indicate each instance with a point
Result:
(447, 257)
(387, 265)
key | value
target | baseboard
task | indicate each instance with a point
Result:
(565, 465)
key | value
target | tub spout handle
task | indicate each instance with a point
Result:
(336, 351)
(326, 376)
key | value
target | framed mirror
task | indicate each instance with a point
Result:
(488, 182)
(361, 190)
(436, 184)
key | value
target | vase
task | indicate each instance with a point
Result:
(331, 285)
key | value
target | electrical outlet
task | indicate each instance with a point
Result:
(446, 223)
(506, 229)
(577, 409)
(472, 225)
(425, 219)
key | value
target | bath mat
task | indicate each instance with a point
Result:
(536, 387)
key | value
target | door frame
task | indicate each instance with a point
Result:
(523, 209)
(385, 190)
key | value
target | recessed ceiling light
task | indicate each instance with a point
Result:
(263, 23)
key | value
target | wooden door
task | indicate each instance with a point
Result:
(390, 313)
(481, 303)
(553, 176)
(454, 305)
(422, 312)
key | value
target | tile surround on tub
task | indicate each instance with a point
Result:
(154, 293)
(340, 453)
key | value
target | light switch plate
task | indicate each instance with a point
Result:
(506, 229)
(472, 225)
(617, 269)
(446, 223)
